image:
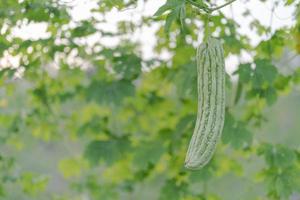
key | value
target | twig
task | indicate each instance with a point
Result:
(207, 9)
(219, 7)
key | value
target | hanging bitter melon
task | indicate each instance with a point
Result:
(211, 104)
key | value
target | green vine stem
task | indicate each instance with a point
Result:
(221, 6)
(207, 32)
(206, 8)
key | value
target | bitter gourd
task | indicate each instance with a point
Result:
(211, 103)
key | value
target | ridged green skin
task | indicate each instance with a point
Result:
(211, 104)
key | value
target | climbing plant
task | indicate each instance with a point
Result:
(88, 113)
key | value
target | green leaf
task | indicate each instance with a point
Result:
(128, 66)
(282, 182)
(185, 79)
(170, 191)
(274, 47)
(169, 5)
(114, 3)
(245, 72)
(206, 173)
(72, 167)
(36, 12)
(170, 18)
(289, 2)
(277, 155)
(235, 133)
(147, 153)
(95, 125)
(4, 44)
(109, 151)
(184, 124)
(264, 73)
(163, 9)
(282, 82)
(33, 184)
(109, 93)
(2, 191)
(269, 93)
(232, 44)
(85, 28)
(177, 11)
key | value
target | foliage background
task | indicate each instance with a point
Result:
(81, 120)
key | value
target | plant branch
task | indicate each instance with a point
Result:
(221, 6)
(205, 8)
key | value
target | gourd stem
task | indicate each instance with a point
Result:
(207, 27)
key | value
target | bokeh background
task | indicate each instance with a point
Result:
(98, 100)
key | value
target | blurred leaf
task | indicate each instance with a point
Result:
(169, 5)
(147, 153)
(2, 191)
(85, 28)
(269, 93)
(36, 12)
(72, 167)
(205, 174)
(274, 46)
(109, 151)
(109, 92)
(33, 184)
(264, 73)
(277, 155)
(4, 44)
(245, 72)
(170, 191)
(177, 11)
(95, 126)
(282, 182)
(128, 65)
(186, 81)
(235, 133)
(170, 18)
(289, 2)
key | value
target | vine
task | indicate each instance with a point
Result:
(206, 8)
